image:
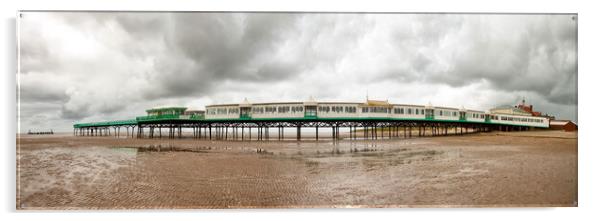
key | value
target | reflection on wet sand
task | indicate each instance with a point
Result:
(476, 170)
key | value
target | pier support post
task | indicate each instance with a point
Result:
(365, 132)
(332, 133)
(350, 134)
(389, 131)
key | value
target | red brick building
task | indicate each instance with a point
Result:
(528, 108)
(565, 125)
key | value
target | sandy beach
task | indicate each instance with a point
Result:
(536, 168)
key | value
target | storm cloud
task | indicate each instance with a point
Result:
(87, 66)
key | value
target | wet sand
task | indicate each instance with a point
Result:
(480, 170)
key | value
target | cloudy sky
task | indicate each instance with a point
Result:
(79, 67)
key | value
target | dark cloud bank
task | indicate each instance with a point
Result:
(96, 66)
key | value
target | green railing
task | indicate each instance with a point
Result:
(159, 117)
(140, 118)
(106, 123)
(171, 117)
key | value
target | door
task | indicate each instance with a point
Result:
(245, 113)
(429, 114)
(311, 112)
(462, 115)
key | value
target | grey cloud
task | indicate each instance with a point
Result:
(31, 93)
(41, 87)
(148, 59)
(512, 52)
(206, 49)
(34, 55)
(532, 57)
(76, 113)
(274, 71)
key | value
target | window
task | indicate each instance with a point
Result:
(324, 109)
(349, 109)
(257, 110)
(233, 110)
(284, 109)
(383, 110)
(297, 109)
(270, 109)
(398, 110)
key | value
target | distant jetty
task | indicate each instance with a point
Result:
(40, 132)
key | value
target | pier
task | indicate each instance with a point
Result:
(372, 120)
